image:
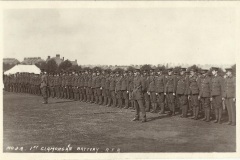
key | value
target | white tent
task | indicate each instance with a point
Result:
(23, 68)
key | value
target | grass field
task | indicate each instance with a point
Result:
(88, 127)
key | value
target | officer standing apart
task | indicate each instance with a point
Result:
(230, 96)
(217, 94)
(138, 86)
(43, 86)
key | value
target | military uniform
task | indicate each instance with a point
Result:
(182, 93)
(170, 90)
(216, 95)
(124, 87)
(160, 82)
(43, 86)
(152, 92)
(112, 86)
(193, 92)
(119, 91)
(145, 94)
(138, 87)
(230, 96)
(204, 95)
(130, 91)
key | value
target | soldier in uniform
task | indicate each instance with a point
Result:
(230, 96)
(182, 92)
(107, 97)
(98, 97)
(193, 92)
(145, 94)
(217, 93)
(103, 97)
(75, 86)
(160, 82)
(112, 86)
(204, 95)
(80, 85)
(118, 90)
(124, 87)
(43, 86)
(130, 88)
(138, 87)
(152, 91)
(170, 91)
(93, 87)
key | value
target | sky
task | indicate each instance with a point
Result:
(122, 36)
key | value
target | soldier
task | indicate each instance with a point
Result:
(75, 86)
(204, 95)
(124, 87)
(130, 88)
(64, 86)
(85, 85)
(112, 86)
(160, 82)
(138, 87)
(217, 93)
(230, 96)
(193, 92)
(80, 85)
(103, 97)
(145, 94)
(98, 96)
(152, 91)
(118, 90)
(170, 91)
(43, 86)
(107, 96)
(182, 92)
(93, 87)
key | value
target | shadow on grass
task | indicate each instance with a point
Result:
(158, 117)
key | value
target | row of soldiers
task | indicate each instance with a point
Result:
(143, 90)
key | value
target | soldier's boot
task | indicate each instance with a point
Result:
(220, 115)
(104, 101)
(126, 103)
(207, 114)
(136, 118)
(144, 119)
(147, 104)
(196, 114)
(114, 102)
(216, 116)
(120, 103)
(100, 100)
(154, 108)
(162, 109)
(109, 102)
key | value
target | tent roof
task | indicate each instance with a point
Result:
(23, 68)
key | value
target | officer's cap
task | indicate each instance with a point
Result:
(193, 69)
(204, 71)
(228, 69)
(183, 69)
(215, 68)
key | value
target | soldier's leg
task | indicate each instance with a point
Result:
(137, 110)
(109, 98)
(114, 99)
(183, 102)
(233, 106)
(153, 100)
(160, 100)
(147, 102)
(142, 109)
(229, 109)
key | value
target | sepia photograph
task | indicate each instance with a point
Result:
(119, 79)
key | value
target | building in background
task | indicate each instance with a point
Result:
(59, 60)
(10, 61)
(32, 60)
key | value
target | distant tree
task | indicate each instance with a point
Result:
(51, 66)
(64, 65)
(41, 65)
(7, 66)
